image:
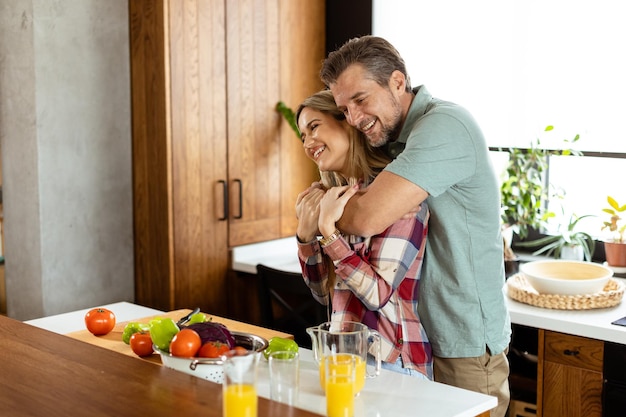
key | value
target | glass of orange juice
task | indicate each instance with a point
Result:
(360, 371)
(239, 395)
(339, 384)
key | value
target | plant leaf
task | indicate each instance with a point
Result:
(289, 116)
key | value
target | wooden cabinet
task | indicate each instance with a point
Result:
(3, 291)
(214, 165)
(569, 375)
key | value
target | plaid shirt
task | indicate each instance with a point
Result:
(377, 284)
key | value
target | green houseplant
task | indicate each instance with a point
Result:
(524, 190)
(566, 243)
(615, 245)
(289, 116)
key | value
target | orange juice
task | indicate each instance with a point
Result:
(340, 396)
(240, 400)
(341, 359)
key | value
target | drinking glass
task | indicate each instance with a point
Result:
(240, 384)
(340, 378)
(284, 376)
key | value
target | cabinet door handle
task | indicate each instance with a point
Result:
(570, 352)
(240, 215)
(225, 196)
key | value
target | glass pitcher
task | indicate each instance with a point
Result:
(346, 338)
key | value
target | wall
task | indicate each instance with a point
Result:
(346, 19)
(66, 154)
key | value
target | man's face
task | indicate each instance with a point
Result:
(373, 109)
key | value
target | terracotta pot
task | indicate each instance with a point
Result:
(615, 253)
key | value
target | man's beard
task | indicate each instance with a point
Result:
(388, 133)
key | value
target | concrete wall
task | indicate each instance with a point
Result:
(65, 137)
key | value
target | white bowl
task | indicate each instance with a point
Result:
(566, 277)
(210, 368)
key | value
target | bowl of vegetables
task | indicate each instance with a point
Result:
(203, 357)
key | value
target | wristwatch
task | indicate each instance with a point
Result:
(331, 238)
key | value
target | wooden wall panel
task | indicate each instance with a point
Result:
(151, 158)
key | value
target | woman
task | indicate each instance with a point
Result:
(374, 280)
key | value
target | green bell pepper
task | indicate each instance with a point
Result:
(198, 318)
(277, 344)
(162, 331)
(132, 328)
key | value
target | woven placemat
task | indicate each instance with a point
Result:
(520, 289)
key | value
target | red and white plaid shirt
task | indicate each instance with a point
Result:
(377, 284)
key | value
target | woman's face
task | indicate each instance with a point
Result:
(325, 139)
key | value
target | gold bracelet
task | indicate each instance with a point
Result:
(330, 239)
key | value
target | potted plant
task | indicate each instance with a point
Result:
(567, 243)
(615, 245)
(524, 190)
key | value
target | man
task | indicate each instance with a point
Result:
(440, 156)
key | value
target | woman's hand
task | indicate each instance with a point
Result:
(307, 213)
(332, 206)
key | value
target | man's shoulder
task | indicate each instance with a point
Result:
(427, 105)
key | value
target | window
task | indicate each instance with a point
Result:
(520, 66)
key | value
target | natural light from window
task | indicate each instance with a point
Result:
(519, 66)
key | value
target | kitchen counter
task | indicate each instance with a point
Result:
(410, 396)
(279, 254)
(48, 374)
(74, 320)
(595, 324)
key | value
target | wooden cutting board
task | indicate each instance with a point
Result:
(113, 340)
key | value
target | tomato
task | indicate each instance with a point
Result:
(100, 321)
(141, 343)
(240, 350)
(213, 349)
(185, 343)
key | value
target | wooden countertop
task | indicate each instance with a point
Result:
(409, 397)
(113, 340)
(48, 374)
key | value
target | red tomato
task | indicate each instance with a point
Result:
(213, 350)
(185, 343)
(100, 321)
(141, 343)
(240, 350)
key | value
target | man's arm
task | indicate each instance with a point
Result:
(386, 200)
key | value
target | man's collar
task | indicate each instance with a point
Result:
(418, 108)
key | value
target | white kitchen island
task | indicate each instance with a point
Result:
(389, 394)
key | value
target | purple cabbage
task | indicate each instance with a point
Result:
(213, 332)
